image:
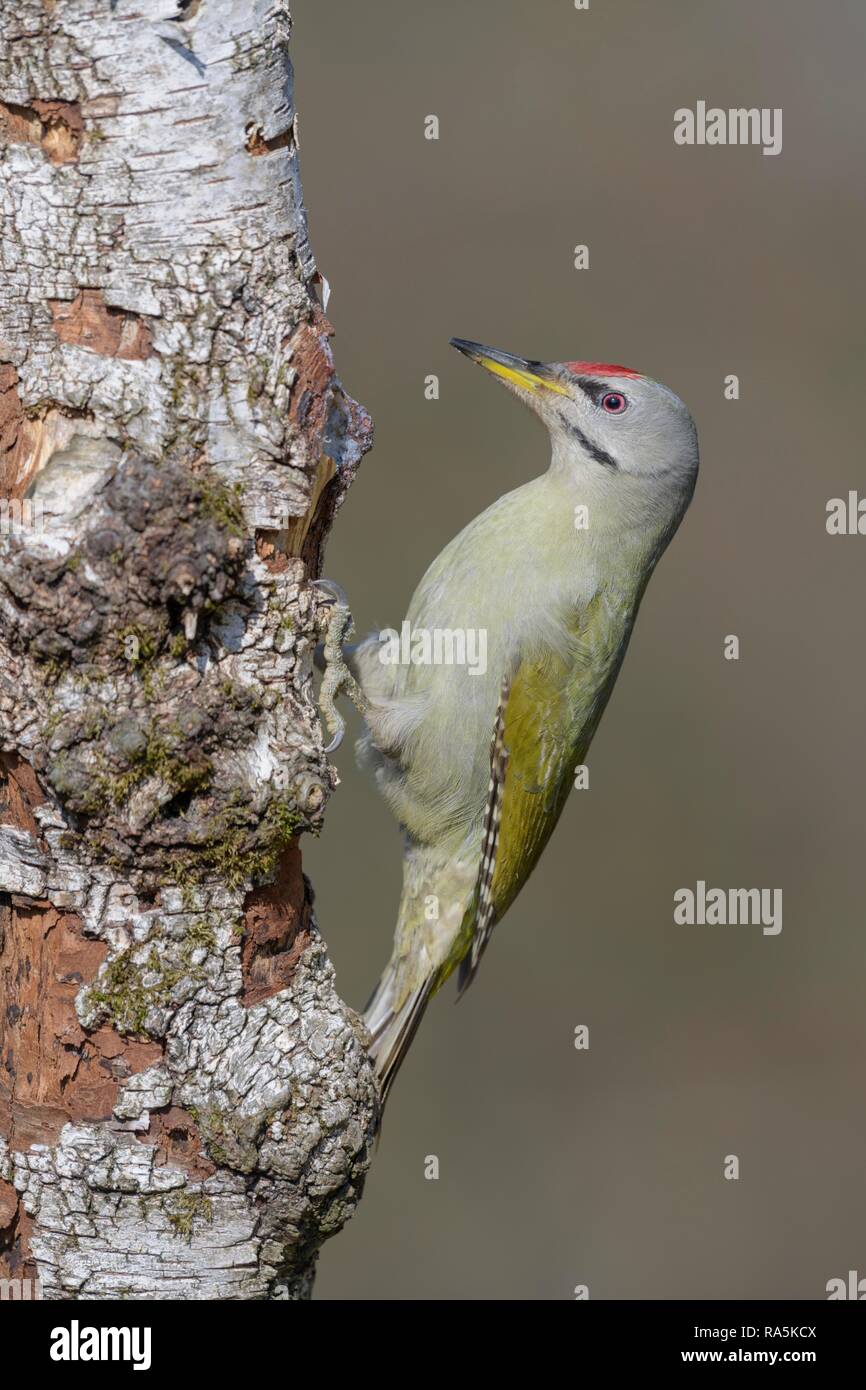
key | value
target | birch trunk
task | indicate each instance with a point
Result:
(186, 1105)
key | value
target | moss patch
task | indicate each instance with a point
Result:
(237, 854)
(129, 989)
(183, 1209)
(222, 505)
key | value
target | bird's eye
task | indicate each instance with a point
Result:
(614, 402)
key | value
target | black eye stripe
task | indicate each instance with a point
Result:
(596, 453)
(590, 387)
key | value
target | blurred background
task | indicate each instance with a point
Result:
(605, 1167)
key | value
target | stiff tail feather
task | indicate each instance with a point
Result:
(392, 1030)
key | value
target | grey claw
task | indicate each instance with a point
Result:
(336, 741)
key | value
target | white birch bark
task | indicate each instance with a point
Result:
(186, 1105)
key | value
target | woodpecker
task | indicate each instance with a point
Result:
(477, 766)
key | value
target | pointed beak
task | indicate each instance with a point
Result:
(519, 372)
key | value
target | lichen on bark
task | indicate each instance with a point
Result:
(186, 1105)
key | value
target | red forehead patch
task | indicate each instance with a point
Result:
(599, 369)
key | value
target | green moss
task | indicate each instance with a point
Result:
(123, 996)
(159, 758)
(236, 862)
(222, 505)
(238, 855)
(139, 645)
(283, 820)
(52, 668)
(202, 933)
(94, 723)
(228, 1140)
(217, 1134)
(152, 684)
(241, 697)
(184, 1208)
(52, 724)
(122, 992)
(179, 381)
(143, 656)
(175, 768)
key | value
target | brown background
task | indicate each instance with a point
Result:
(605, 1168)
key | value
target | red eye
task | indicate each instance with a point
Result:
(614, 402)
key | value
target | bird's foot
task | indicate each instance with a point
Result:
(334, 621)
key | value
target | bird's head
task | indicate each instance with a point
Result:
(614, 430)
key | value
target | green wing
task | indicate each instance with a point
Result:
(547, 723)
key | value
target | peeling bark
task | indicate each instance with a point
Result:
(57, 127)
(186, 1105)
(88, 322)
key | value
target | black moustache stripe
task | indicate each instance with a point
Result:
(594, 450)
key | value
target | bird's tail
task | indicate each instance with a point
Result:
(423, 954)
(393, 1028)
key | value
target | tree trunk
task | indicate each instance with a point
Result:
(186, 1106)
